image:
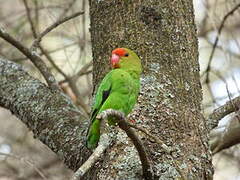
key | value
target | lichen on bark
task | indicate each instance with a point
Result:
(163, 34)
(50, 115)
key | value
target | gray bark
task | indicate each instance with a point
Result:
(50, 115)
(163, 34)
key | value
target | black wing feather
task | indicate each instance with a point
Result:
(105, 95)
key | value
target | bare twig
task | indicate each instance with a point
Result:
(72, 82)
(22, 159)
(43, 166)
(36, 37)
(103, 144)
(220, 47)
(82, 71)
(69, 6)
(30, 19)
(34, 57)
(217, 39)
(202, 27)
(49, 52)
(36, 15)
(211, 93)
(50, 28)
(34, 33)
(49, 58)
(76, 77)
(80, 100)
(120, 117)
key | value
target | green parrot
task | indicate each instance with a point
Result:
(118, 90)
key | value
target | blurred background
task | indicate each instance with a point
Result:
(67, 51)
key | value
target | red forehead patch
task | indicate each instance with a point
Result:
(119, 51)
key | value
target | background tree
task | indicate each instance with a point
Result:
(163, 34)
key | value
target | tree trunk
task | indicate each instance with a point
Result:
(163, 34)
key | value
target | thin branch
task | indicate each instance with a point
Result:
(120, 118)
(36, 37)
(72, 82)
(220, 47)
(217, 39)
(103, 144)
(202, 27)
(30, 19)
(49, 52)
(219, 113)
(69, 6)
(82, 71)
(34, 57)
(80, 100)
(36, 15)
(43, 166)
(53, 26)
(22, 159)
(49, 58)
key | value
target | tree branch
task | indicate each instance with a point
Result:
(50, 28)
(120, 118)
(219, 113)
(27, 162)
(34, 32)
(36, 44)
(217, 39)
(103, 144)
(68, 7)
(50, 115)
(34, 57)
(230, 136)
(84, 70)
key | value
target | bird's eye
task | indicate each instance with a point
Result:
(126, 55)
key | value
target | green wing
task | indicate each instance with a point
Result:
(102, 94)
(118, 90)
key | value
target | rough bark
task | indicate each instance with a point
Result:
(49, 114)
(163, 33)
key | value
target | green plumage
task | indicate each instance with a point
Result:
(118, 90)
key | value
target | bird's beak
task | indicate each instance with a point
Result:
(115, 61)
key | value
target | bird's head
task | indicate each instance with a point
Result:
(125, 59)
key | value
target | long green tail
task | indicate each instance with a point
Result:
(93, 134)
